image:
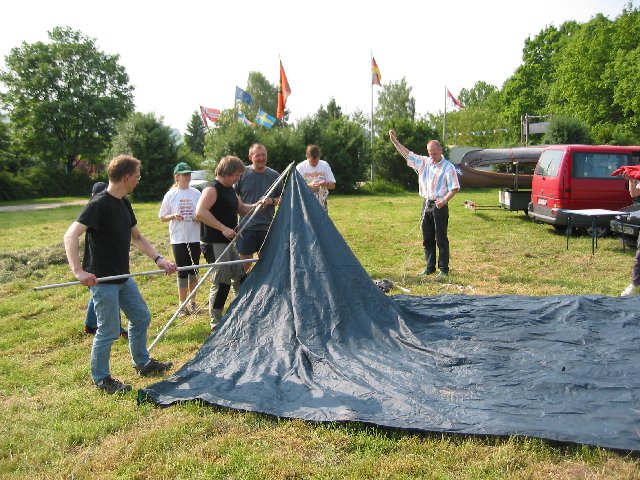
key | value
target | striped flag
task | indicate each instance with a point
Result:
(454, 100)
(211, 114)
(375, 73)
(283, 93)
(265, 119)
(244, 120)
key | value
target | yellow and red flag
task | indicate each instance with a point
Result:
(375, 73)
(283, 93)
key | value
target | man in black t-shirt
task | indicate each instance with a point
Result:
(111, 227)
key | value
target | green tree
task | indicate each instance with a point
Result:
(264, 94)
(230, 138)
(342, 143)
(389, 164)
(146, 137)
(333, 110)
(194, 138)
(64, 97)
(6, 157)
(623, 71)
(480, 123)
(581, 88)
(564, 129)
(478, 95)
(527, 90)
(477, 126)
(395, 101)
(284, 145)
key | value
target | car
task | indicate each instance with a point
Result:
(627, 226)
(199, 179)
(578, 177)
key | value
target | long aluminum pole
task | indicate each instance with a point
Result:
(150, 272)
(206, 275)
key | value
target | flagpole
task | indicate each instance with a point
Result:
(444, 122)
(371, 124)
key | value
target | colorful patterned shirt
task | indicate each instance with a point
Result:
(434, 179)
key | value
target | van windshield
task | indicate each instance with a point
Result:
(597, 165)
(549, 163)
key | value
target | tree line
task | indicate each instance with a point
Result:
(67, 108)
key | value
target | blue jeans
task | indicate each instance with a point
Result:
(108, 299)
(91, 320)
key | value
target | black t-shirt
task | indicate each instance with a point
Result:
(109, 221)
(226, 212)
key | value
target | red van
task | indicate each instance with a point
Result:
(575, 177)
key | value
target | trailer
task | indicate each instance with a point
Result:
(514, 200)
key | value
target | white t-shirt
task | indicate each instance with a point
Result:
(322, 171)
(182, 201)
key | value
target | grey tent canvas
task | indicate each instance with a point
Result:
(310, 336)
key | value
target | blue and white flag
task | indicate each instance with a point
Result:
(244, 120)
(243, 96)
(264, 119)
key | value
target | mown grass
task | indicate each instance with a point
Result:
(57, 425)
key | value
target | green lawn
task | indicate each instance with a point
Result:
(57, 425)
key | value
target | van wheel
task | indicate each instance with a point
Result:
(629, 241)
(601, 231)
(563, 229)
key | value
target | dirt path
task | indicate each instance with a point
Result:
(41, 206)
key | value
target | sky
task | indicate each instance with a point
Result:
(183, 54)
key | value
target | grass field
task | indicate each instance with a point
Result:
(56, 424)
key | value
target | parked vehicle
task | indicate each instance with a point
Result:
(627, 226)
(199, 179)
(578, 177)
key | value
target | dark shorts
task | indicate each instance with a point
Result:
(186, 254)
(250, 241)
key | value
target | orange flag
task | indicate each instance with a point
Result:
(375, 73)
(283, 93)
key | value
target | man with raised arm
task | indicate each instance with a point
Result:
(438, 183)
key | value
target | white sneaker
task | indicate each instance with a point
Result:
(630, 290)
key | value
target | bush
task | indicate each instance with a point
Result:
(15, 187)
(37, 182)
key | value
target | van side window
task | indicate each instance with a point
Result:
(549, 163)
(597, 165)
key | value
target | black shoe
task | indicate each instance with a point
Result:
(111, 386)
(124, 334)
(428, 271)
(90, 330)
(153, 367)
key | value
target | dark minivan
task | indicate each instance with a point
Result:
(577, 177)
